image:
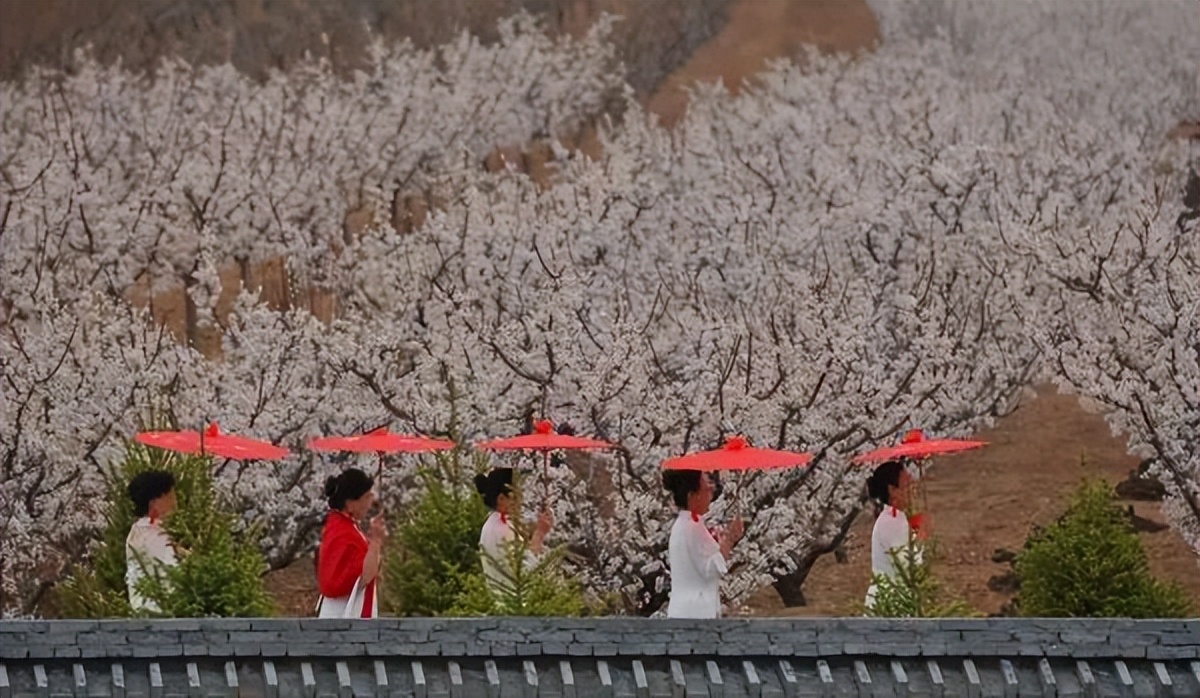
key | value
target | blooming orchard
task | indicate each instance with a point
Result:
(113, 180)
(844, 251)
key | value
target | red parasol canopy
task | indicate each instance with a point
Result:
(380, 441)
(212, 442)
(736, 454)
(543, 439)
(915, 445)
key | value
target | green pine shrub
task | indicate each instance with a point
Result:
(914, 591)
(436, 546)
(1090, 563)
(220, 568)
(540, 590)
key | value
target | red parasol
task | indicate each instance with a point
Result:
(544, 439)
(914, 445)
(212, 442)
(736, 454)
(380, 441)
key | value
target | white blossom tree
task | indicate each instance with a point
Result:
(1096, 207)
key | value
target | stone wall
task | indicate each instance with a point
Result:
(505, 637)
(617, 657)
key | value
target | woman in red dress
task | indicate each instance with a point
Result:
(348, 561)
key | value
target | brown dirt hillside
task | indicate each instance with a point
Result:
(983, 500)
(652, 38)
(759, 31)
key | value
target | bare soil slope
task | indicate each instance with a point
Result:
(759, 31)
(988, 499)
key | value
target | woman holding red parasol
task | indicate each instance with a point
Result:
(697, 559)
(148, 548)
(347, 561)
(889, 487)
(496, 489)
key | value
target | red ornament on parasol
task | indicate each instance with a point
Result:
(544, 440)
(380, 441)
(212, 442)
(914, 445)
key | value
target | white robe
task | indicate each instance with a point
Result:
(696, 568)
(495, 534)
(347, 606)
(148, 550)
(890, 533)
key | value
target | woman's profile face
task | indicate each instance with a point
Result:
(163, 504)
(503, 502)
(700, 498)
(358, 508)
(898, 495)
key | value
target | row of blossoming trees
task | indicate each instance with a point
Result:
(907, 238)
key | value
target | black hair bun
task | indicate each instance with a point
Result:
(481, 483)
(331, 484)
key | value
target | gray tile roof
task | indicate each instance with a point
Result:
(601, 657)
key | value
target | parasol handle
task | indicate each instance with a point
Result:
(546, 480)
(737, 495)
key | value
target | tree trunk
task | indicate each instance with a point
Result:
(790, 586)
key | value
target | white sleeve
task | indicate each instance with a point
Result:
(152, 543)
(705, 553)
(158, 546)
(895, 536)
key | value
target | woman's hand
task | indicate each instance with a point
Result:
(376, 535)
(540, 529)
(731, 535)
(377, 532)
(735, 529)
(544, 522)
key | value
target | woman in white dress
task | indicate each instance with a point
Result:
(889, 488)
(496, 489)
(148, 548)
(697, 559)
